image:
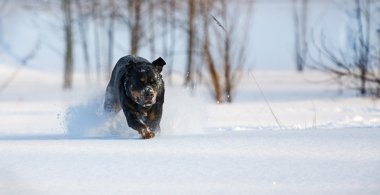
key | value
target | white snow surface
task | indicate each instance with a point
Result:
(60, 142)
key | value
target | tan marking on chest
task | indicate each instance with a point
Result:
(152, 116)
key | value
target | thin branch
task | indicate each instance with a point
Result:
(265, 99)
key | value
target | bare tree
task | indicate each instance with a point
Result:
(111, 36)
(300, 26)
(190, 38)
(134, 7)
(152, 31)
(209, 60)
(231, 43)
(362, 14)
(354, 63)
(83, 25)
(212, 54)
(377, 66)
(96, 16)
(169, 25)
(226, 55)
(69, 57)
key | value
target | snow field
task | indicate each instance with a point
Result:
(263, 162)
(54, 142)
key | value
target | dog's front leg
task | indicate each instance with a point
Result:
(136, 121)
(145, 132)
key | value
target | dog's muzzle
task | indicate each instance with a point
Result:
(148, 97)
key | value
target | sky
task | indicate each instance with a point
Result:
(269, 43)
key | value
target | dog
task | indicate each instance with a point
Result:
(137, 87)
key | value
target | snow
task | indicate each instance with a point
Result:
(60, 142)
(344, 161)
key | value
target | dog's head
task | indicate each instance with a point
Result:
(144, 82)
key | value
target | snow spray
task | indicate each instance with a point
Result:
(182, 114)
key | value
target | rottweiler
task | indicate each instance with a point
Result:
(137, 87)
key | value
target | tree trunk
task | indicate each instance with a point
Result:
(300, 24)
(173, 26)
(165, 30)
(136, 27)
(227, 70)
(226, 56)
(111, 38)
(190, 43)
(152, 30)
(82, 26)
(69, 61)
(208, 57)
(96, 16)
(303, 33)
(362, 63)
(214, 75)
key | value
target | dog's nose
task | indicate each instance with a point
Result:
(148, 93)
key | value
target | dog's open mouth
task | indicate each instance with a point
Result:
(145, 101)
(147, 104)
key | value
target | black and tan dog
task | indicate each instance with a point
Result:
(136, 86)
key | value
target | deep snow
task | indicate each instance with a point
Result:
(340, 161)
(54, 142)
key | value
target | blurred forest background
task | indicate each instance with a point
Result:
(207, 42)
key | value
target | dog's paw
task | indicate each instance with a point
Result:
(147, 134)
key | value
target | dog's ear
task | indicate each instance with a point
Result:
(159, 63)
